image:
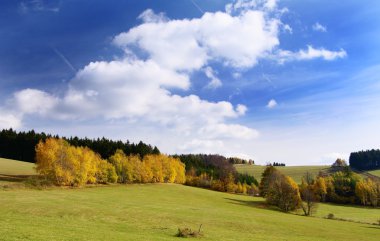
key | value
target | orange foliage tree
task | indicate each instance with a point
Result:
(71, 166)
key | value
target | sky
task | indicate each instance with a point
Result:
(274, 81)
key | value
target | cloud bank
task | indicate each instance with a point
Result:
(160, 56)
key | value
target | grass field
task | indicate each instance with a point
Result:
(11, 167)
(375, 172)
(296, 172)
(154, 212)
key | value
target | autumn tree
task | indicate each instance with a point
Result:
(152, 168)
(320, 188)
(266, 179)
(283, 192)
(308, 194)
(71, 166)
(368, 192)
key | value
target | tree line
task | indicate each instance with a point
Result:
(21, 145)
(216, 172)
(365, 160)
(63, 164)
(343, 187)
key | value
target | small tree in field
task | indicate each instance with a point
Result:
(308, 194)
(283, 192)
(266, 178)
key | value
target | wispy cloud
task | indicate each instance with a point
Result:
(319, 27)
(310, 53)
(39, 6)
(215, 82)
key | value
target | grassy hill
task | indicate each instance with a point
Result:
(12, 167)
(375, 172)
(296, 172)
(155, 211)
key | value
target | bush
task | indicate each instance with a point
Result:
(188, 233)
(330, 216)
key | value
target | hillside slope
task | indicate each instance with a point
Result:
(296, 172)
(156, 211)
(12, 167)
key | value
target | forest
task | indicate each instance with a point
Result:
(365, 160)
(21, 145)
(77, 162)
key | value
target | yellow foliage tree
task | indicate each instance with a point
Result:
(70, 166)
(367, 191)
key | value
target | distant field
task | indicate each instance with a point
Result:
(296, 172)
(12, 167)
(375, 172)
(155, 211)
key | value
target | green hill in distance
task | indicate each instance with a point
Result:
(295, 172)
(12, 167)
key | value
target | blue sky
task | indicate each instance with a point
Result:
(285, 81)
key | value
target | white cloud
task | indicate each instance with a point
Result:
(148, 16)
(272, 104)
(311, 53)
(241, 109)
(319, 28)
(287, 28)
(237, 41)
(9, 120)
(33, 101)
(215, 82)
(239, 6)
(136, 91)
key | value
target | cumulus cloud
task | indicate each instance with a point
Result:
(29, 101)
(272, 104)
(319, 27)
(237, 41)
(310, 53)
(161, 54)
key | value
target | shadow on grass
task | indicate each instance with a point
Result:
(372, 227)
(14, 178)
(252, 203)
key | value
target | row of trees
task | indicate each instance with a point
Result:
(67, 165)
(150, 169)
(63, 164)
(21, 145)
(276, 164)
(340, 187)
(217, 173)
(237, 160)
(365, 160)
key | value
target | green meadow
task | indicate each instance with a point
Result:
(156, 211)
(12, 167)
(375, 172)
(296, 172)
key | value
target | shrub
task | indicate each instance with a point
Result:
(330, 216)
(188, 233)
